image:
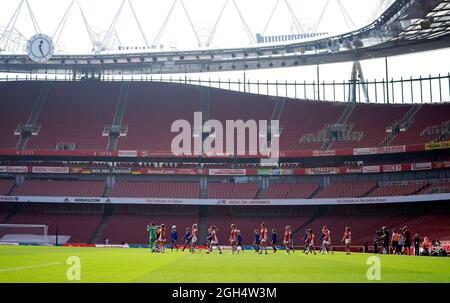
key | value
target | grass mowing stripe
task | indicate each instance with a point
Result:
(29, 267)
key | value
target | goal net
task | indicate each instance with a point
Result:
(24, 233)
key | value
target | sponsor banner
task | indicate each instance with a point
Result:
(127, 153)
(164, 201)
(323, 153)
(243, 202)
(85, 200)
(446, 164)
(78, 245)
(364, 151)
(353, 170)
(300, 153)
(371, 169)
(392, 168)
(125, 171)
(188, 171)
(79, 170)
(100, 170)
(14, 169)
(227, 172)
(9, 198)
(421, 166)
(159, 171)
(272, 172)
(10, 243)
(322, 171)
(50, 170)
(167, 171)
(379, 150)
(438, 145)
(112, 246)
(391, 149)
(249, 202)
(264, 172)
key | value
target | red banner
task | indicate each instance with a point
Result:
(165, 153)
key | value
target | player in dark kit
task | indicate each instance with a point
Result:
(187, 238)
(208, 240)
(239, 241)
(273, 241)
(305, 240)
(173, 238)
(257, 241)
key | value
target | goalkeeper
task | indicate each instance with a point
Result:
(151, 229)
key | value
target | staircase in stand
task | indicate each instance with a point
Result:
(348, 110)
(26, 130)
(403, 124)
(117, 123)
(107, 212)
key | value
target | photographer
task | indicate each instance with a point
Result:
(375, 245)
(416, 242)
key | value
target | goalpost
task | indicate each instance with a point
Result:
(24, 233)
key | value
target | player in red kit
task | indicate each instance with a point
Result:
(162, 238)
(263, 236)
(194, 238)
(347, 239)
(310, 242)
(214, 240)
(233, 236)
(287, 239)
(326, 240)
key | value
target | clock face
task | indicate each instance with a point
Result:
(40, 48)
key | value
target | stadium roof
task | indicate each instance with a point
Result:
(406, 26)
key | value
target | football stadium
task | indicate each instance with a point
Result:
(225, 141)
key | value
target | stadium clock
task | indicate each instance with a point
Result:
(40, 48)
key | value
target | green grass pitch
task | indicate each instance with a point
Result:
(49, 264)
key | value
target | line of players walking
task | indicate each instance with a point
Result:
(158, 240)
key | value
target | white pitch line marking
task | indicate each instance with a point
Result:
(28, 267)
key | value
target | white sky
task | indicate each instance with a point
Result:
(178, 33)
(230, 33)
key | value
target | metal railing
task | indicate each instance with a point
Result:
(430, 89)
